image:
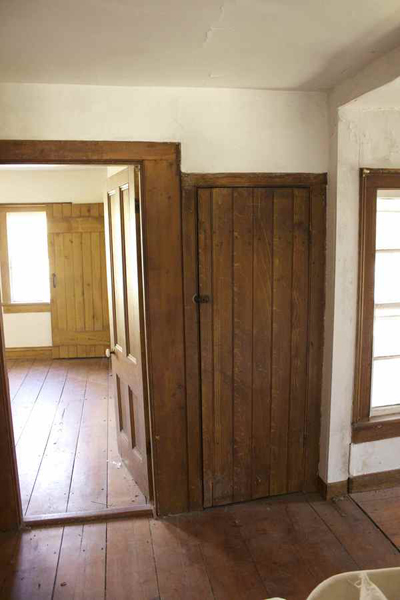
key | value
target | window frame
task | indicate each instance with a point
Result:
(367, 427)
(5, 288)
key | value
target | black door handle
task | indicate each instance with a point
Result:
(201, 299)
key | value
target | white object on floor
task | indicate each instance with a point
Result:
(379, 584)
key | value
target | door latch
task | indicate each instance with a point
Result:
(201, 299)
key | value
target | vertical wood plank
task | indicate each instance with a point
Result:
(78, 281)
(281, 338)
(53, 295)
(97, 290)
(192, 350)
(242, 342)
(60, 290)
(76, 210)
(222, 273)
(66, 210)
(316, 332)
(206, 339)
(69, 281)
(262, 338)
(88, 281)
(298, 375)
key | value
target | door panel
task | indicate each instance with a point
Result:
(254, 265)
(127, 329)
(79, 305)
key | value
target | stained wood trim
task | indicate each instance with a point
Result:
(10, 499)
(376, 428)
(92, 516)
(192, 347)
(365, 427)
(84, 152)
(44, 352)
(26, 307)
(332, 490)
(253, 179)
(163, 285)
(164, 298)
(374, 481)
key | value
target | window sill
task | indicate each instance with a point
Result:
(376, 428)
(22, 307)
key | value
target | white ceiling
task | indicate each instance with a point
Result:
(273, 44)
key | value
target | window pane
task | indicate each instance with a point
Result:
(385, 382)
(387, 280)
(387, 332)
(388, 223)
(28, 256)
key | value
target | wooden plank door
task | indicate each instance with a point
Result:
(254, 266)
(127, 323)
(79, 304)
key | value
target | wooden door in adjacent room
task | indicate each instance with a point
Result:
(79, 305)
(124, 250)
(261, 279)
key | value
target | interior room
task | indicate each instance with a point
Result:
(199, 247)
(54, 292)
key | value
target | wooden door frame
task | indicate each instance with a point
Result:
(162, 261)
(316, 183)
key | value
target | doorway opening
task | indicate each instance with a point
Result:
(72, 314)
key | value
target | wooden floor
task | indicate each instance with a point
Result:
(65, 434)
(282, 547)
(383, 506)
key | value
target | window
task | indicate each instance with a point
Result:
(28, 257)
(24, 254)
(386, 337)
(377, 377)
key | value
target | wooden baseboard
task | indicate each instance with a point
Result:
(92, 516)
(374, 481)
(44, 353)
(332, 490)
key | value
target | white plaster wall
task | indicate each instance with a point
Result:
(29, 186)
(342, 261)
(374, 457)
(23, 330)
(366, 138)
(220, 130)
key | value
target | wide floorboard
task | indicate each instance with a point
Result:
(383, 506)
(280, 547)
(65, 435)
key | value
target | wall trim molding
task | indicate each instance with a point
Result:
(332, 490)
(253, 179)
(374, 481)
(42, 352)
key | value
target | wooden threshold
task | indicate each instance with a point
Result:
(89, 516)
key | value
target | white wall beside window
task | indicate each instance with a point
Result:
(27, 330)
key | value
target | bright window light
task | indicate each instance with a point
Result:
(28, 256)
(385, 395)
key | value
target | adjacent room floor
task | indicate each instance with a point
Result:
(64, 426)
(280, 547)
